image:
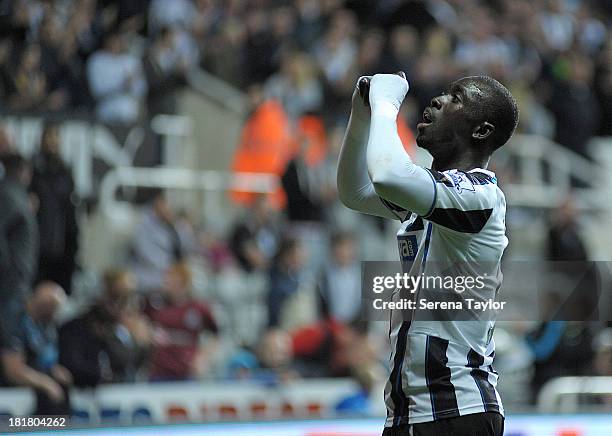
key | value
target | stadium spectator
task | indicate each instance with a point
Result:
(166, 65)
(30, 355)
(108, 343)
(340, 281)
(224, 56)
(285, 278)
(275, 353)
(259, 48)
(573, 103)
(310, 191)
(255, 236)
(602, 361)
(116, 80)
(6, 48)
(559, 348)
(157, 243)
(29, 87)
(62, 64)
(296, 85)
(265, 143)
(310, 21)
(359, 403)
(179, 320)
(54, 189)
(177, 14)
(329, 348)
(371, 52)
(565, 242)
(325, 348)
(479, 49)
(557, 25)
(50, 46)
(6, 145)
(603, 88)
(402, 52)
(18, 238)
(602, 345)
(307, 186)
(337, 50)
(87, 25)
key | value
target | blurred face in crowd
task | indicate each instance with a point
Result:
(5, 50)
(5, 141)
(46, 301)
(602, 345)
(344, 251)
(371, 48)
(31, 58)
(283, 22)
(294, 257)
(566, 213)
(262, 210)
(114, 43)
(276, 349)
(255, 96)
(177, 283)
(603, 361)
(404, 41)
(120, 287)
(50, 141)
(50, 29)
(582, 71)
(162, 208)
(17, 168)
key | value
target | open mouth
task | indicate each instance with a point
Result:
(427, 119)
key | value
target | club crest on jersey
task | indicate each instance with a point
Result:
(461, 181)
(407, 247)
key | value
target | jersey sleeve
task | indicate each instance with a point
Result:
(400, 213)
(412, 192)
(463, 201)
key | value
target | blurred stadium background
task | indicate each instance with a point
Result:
(182, 193)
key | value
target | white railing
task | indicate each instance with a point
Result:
(564, 394)
(214, 183)
(545, 172)
(534, 186)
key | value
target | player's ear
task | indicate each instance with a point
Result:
(483, 131)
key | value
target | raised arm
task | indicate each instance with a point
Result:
(355, 188)
(395, 178)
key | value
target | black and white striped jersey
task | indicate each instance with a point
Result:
(443, 368)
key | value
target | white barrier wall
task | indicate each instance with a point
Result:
(194, 401)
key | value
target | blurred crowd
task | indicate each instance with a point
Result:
(297, 61)
(123, 59)
(145, 319)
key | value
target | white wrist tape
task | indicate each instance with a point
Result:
(385, 109)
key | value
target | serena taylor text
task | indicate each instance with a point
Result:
(423, 304)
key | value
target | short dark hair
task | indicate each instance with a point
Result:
(500, 109)
(50, 125)
(13, 164)
(286, 246)
(340, 236)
